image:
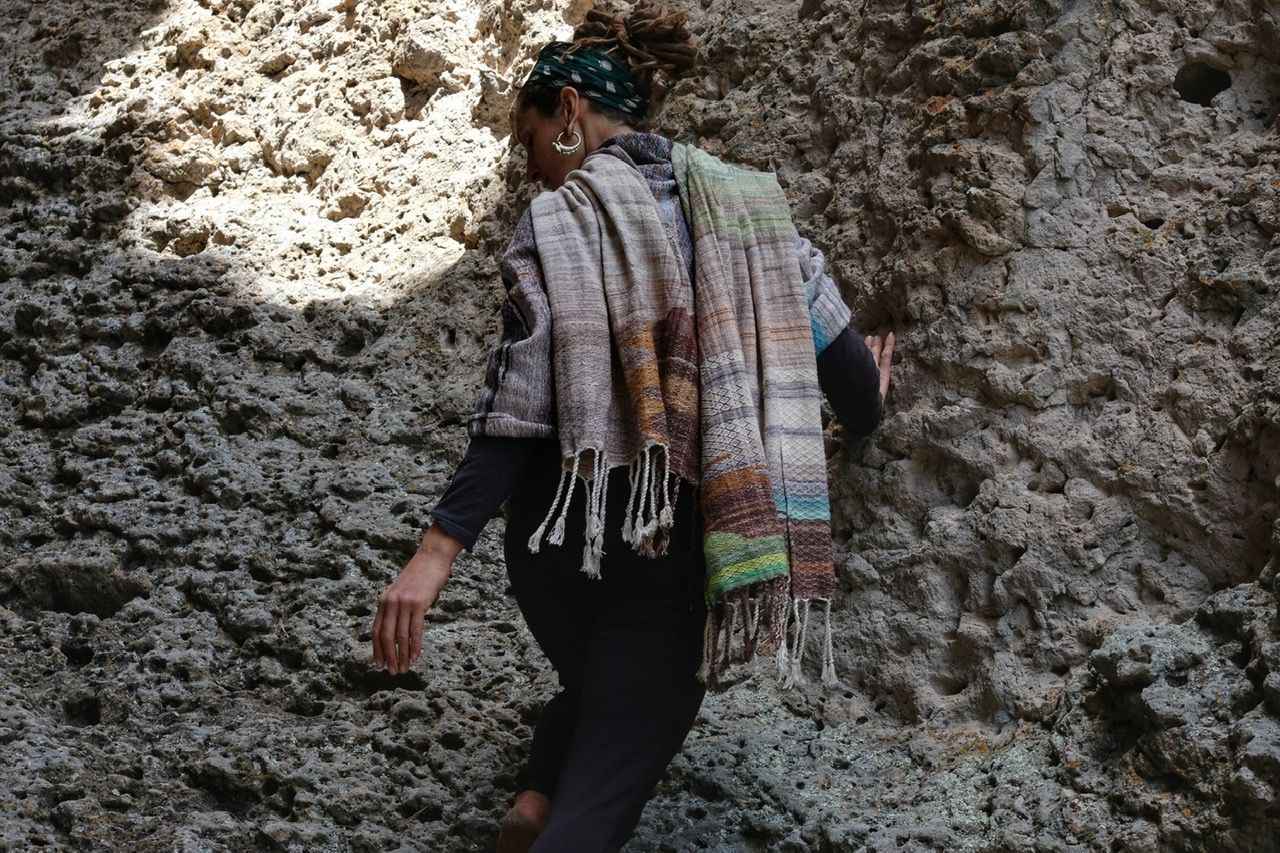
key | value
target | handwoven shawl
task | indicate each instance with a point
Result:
(714, 384)
(765, 505)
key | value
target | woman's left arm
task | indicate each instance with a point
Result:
(854, 375)
(852, 372)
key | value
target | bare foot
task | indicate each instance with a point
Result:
(523, 823)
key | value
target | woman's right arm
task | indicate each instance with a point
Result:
(403, 605)
(483, 480)
(515, 403)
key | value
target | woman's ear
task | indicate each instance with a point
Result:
(570, 101)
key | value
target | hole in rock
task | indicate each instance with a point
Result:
(949, 685)
(428, 812)
(1199, 83)
(83, 710)
(77, 655)
(352, 342)
(155, 339)
(305, 705)
(102, 597)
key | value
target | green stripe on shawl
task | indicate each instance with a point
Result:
(735, 561)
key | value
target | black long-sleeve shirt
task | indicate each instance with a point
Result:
(847, 374)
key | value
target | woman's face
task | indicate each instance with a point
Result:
(544, 163)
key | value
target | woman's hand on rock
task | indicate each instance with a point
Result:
(882, 351)
(403, 606)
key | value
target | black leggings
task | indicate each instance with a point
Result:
(626, 648)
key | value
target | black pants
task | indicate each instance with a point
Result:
(625, 647)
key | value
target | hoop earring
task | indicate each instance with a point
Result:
(567, 149)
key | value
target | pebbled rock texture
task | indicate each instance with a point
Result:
(247, 289)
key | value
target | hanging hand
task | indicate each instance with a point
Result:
(403, 606)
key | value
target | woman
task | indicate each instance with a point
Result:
(625, 620)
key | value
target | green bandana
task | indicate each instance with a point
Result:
(595, 74)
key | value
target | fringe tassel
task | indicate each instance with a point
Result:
(633, 474)
(637, 531)
(655, 494)
(706, 672)
(649, 513)
(557, 534)
(781, 659)
(600, 483)
(651, 501)
(751, 629)
(775, 614)
(594, 549)
(828, 656)
(778, 608)
(741, 607)
(728, 636)
(778, 632)
(666, 518)
(790, 668)
(804, 635)
(668, 512)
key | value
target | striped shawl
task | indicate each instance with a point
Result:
(711, 381)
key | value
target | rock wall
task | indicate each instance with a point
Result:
(249, 286)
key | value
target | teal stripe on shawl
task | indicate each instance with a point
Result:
(805, 508)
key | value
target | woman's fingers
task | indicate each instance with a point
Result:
(379, 657)
(390, 655)
(882, 352)
(415, 633)
(884, 361)
(403, 620)
(397, 631)
(402, 610)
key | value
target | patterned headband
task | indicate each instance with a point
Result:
(595, 74)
